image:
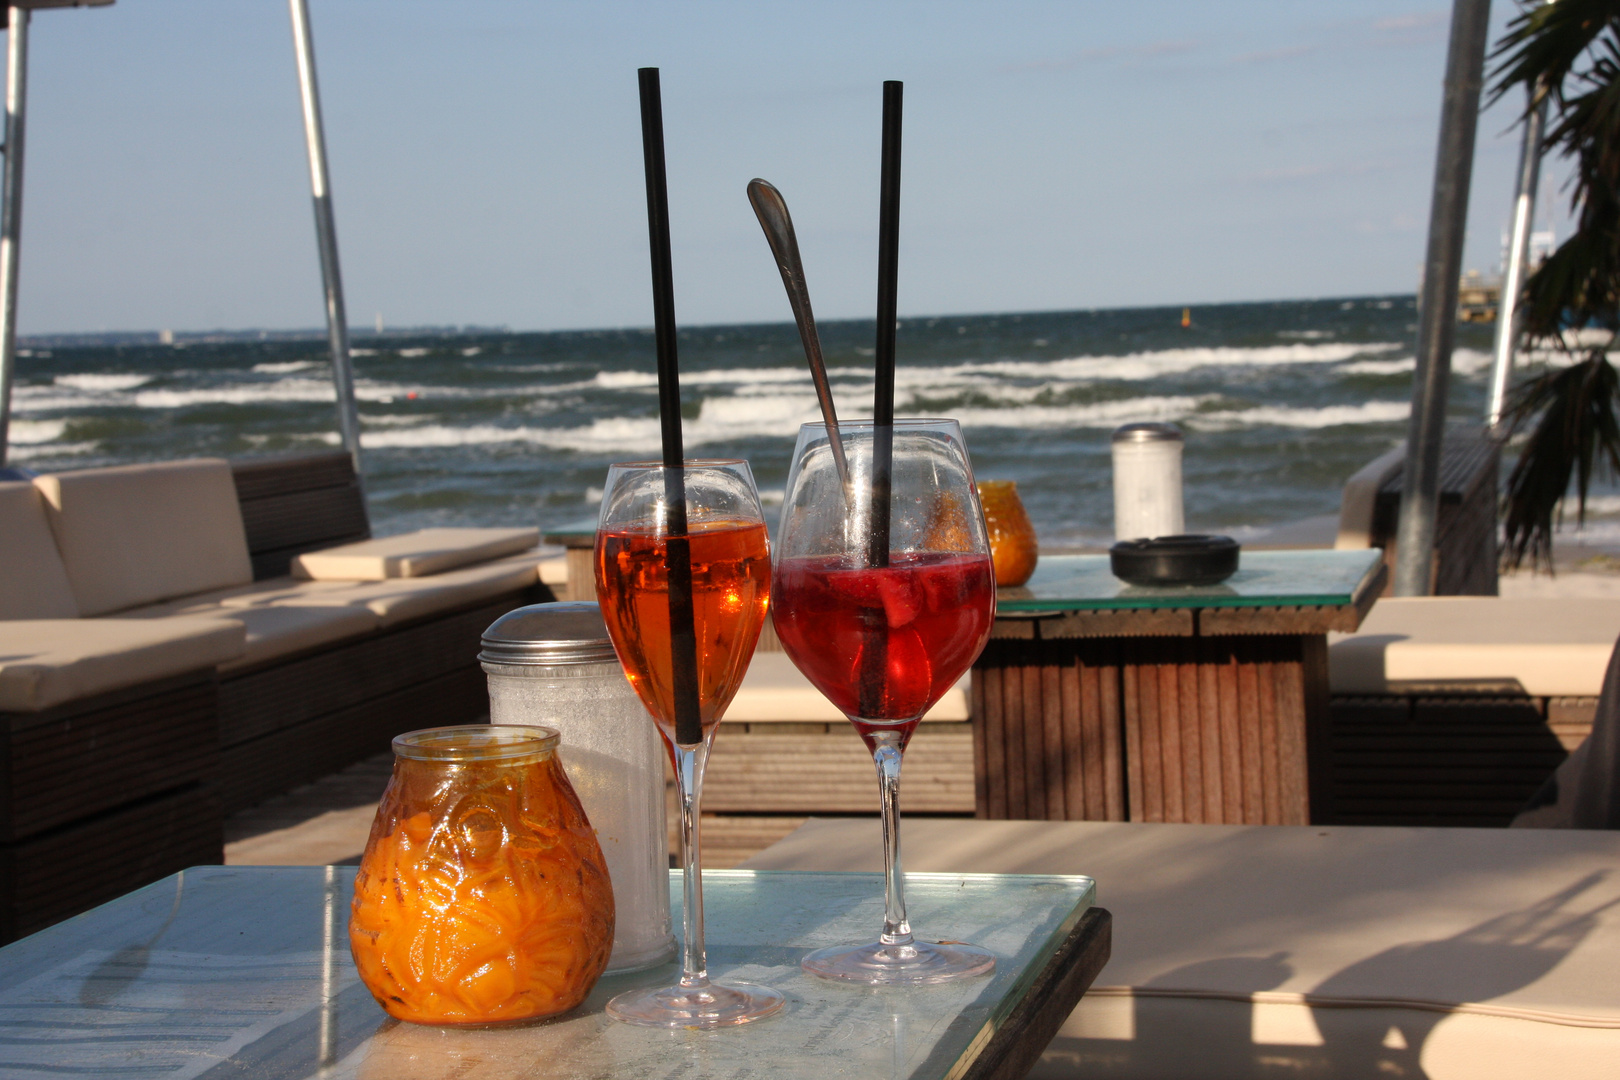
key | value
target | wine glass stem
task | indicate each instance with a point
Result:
(886, 754)
(689, 765)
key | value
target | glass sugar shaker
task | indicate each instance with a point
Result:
(1147, 481)
(553, 665)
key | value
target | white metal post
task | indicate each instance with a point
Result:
(1524, 208)
(11, 209)
(337, 323)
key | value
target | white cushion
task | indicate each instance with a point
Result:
(416, 554)
(775, 690)
(45, 662)
(1264, 951)
(33, 581)
(136, 534)
(1555, 647)
(400, 600)
(273, 631)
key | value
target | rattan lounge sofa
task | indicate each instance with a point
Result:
(160, 668)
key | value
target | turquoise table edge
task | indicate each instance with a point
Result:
(1063, 583)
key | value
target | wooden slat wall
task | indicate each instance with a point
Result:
(1048, 736)
(815, 768)
(1181, 729)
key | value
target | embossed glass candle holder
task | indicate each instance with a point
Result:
(482, 896)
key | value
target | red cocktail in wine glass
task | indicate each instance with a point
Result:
(883, 597)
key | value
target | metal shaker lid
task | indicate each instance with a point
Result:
(570, 632)
(1143, 433)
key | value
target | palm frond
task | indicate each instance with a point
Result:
(1545, 42)
(1579, 284)
(1577, 432)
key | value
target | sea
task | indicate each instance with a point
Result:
(1280, 402)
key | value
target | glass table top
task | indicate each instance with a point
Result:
(1313, 578)
(245, 971)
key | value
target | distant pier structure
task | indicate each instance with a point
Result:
(1478, 297)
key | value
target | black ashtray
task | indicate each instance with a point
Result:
(1175, 560)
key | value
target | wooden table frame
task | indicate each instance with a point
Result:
(1173, 714)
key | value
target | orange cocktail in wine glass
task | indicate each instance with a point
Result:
(685, 649)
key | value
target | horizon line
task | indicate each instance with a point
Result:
(221, 334)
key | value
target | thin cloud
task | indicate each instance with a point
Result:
(1270, 55)
(1111, 52)
(1296, 173)
(1410, 22)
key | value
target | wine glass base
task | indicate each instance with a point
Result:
(917, 964)
(713, 1006)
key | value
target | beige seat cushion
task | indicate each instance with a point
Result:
(45, 662)
(33, 581)
(399, 600)
(1557, 647)
(273, 631)
(1312, 951)
(136, 534)
(774, 690)
(416, 554)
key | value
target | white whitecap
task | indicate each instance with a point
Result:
(1100, 414)
(101, 384)
(33, 452)
(1379, 367)
(1370, 412)
(1146, 365)
(30, 432)
(411, 354)
(286, 367)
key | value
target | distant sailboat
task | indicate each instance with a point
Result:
(1186, 317)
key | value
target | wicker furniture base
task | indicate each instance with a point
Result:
(297, 720)
(1454, 759)
(103, 795)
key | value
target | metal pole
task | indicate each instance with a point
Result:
(1437, 317)
(1524, 208)
(11, 208)
(337, 323)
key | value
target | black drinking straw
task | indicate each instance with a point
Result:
(874, 655)
(888, 272)
(678, 551)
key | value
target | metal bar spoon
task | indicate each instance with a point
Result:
(772, 211)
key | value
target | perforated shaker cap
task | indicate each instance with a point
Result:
(1141, 433)
(543, 635)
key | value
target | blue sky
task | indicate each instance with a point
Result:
(485, 157)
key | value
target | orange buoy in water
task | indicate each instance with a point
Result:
(1186, 317)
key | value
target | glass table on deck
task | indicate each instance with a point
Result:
(1101, 700)
(245, 971)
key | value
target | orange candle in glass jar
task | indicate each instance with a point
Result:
(1013, 548)
(482, 896)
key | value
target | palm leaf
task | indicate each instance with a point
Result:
(1577, 431)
